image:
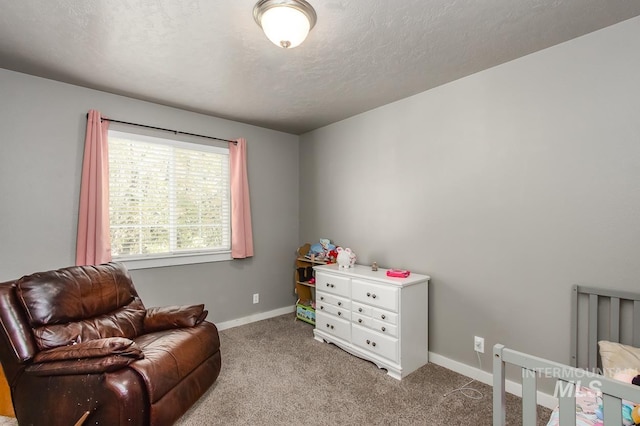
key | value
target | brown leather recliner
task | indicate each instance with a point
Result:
(78, 342)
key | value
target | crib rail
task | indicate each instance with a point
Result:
(567, 379)
(597, 314)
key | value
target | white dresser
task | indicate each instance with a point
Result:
(375, 317)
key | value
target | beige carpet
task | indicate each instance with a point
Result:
(275, 373)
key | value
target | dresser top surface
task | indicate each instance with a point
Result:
(365, 272)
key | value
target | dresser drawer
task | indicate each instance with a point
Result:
(374, 294)
(375, 313)
(333, 310)
(340, 302)
(379, 326)
(332, 325)
(376, 343)
(333, 284)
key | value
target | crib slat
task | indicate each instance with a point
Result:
(636, 323)
(612, 410)
(567, 403)
(529, 400)
(499, 391)
(614, 318)
(593, 332)
(574, 326)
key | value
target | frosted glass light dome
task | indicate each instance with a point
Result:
(285, 26)
(285, 22)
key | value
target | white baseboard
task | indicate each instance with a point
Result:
(255, 317)
(482, 376)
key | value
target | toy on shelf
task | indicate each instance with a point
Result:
(323, 251)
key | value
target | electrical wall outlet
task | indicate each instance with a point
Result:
(256, 298)
(478, 344)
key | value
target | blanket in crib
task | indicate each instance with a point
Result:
(589, 410)
(587, 404)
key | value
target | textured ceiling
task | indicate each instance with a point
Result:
(209, 56)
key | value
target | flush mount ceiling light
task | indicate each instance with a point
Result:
(285, 22)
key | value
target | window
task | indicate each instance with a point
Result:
(169, 201)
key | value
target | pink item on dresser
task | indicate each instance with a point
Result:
(398, 273)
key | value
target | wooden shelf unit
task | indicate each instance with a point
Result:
(305, 305)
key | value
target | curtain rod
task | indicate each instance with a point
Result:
(165, 130)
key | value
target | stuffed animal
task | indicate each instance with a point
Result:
(343, 258)
(346, 258)
(331, 256)
(635, 414)
(322, 249)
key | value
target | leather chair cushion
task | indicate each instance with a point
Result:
(124, 322)
(171, 355)
(167, 317)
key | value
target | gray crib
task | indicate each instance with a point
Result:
(597, 314)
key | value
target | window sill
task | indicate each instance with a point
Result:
(173, 260)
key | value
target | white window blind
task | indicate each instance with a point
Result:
(167, 197)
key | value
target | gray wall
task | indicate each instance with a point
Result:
(42, 124)
(506, 187)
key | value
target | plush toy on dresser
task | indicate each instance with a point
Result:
(346, 258)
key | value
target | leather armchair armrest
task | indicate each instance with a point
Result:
(105, 364)
(167, 317)
(96, 348)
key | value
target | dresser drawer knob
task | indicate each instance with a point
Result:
(321, 297)
(339, 313)
(384, 316)
(368, 342)
(360, 320)
(328, 326)
(328, 285)
(359, 309)
(332, 327)
(384, 329)
(321, 307)
(339, 303)
(373, 344)
(373, 295)
(368, 294)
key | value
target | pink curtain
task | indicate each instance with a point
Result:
(94, 243)
(241, 233)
